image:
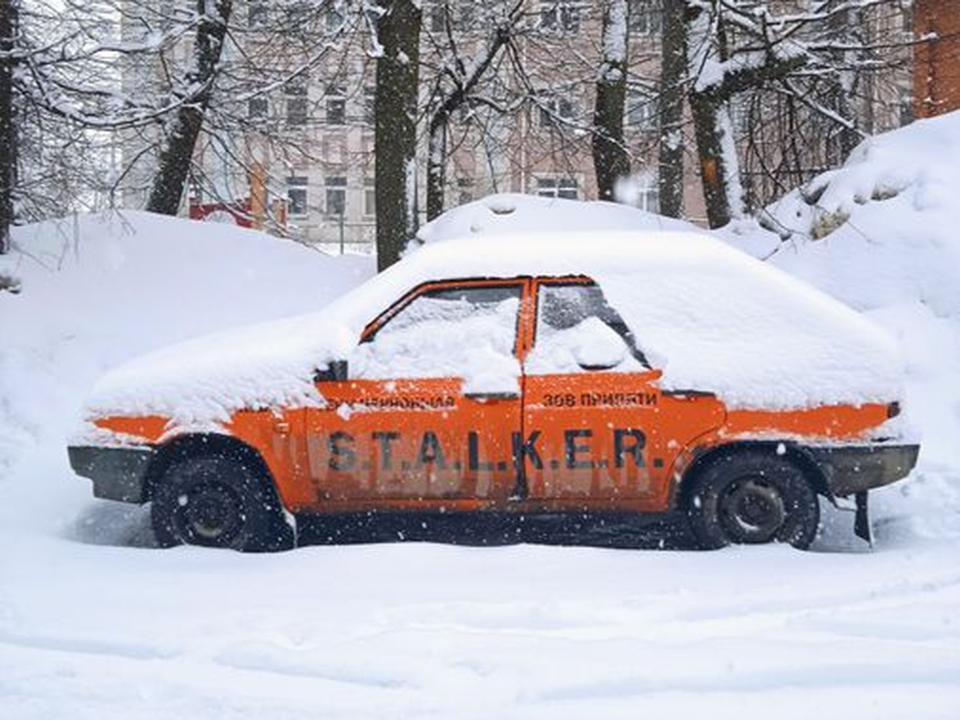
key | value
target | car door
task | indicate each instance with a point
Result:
(429, 406)
(598, 430)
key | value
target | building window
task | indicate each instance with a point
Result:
(336, 101)
(560, 15)
(296, 91)
(646, 16)
(740, 108)
(257, 108)
(642, 111)
(258, 14)
(335, 17)
(466, 17)
(297, 195)
(905, 105)
(369, 106)
(369, 197)
(465, 190)
(437, 17)
(297, 85)
(296, 111)
(336, 195)
(297, 15)
(557, 109)
(648, 192)
(563, 187)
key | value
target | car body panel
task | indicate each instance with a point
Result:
(594, 439)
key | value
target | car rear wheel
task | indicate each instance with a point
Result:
(750, 498)
(217, 501)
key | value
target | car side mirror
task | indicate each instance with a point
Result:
(335, 371)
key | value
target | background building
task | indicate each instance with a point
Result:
(300, 155)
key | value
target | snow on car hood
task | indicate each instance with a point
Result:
(709, 316)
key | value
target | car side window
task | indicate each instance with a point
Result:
(445, 332)
(578, 331)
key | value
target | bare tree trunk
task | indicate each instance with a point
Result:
(9, 15)
(436, 164)
(673, 78)
(610, 159)
(395, 134)
(440, 120)
(177, 154)
(715, 171)
(709, 105)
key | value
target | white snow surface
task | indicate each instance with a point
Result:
(720, 320)
(515, 214)
(96, 623)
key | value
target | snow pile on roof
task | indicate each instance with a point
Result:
(126, 283)
(515, 214)
(882, 228)
(881, 233)
(718, 319)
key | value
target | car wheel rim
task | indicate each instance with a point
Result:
(210, 515)
(751, 511)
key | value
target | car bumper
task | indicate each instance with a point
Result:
(849, 470)
(117, 473)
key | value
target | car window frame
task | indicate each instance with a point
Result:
(523, 282)
(624, 332)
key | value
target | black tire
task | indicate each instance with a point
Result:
(217, 501)
(750, 498)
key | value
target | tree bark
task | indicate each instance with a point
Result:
(673, 78)
(715, 172)
(610, 159)
(9, 16)
(175, 158)
(705, 43)
(395, 131)
(436, 164)
(709, 104)
(440, 120)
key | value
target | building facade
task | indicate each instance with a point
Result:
(530, 131)
(936, 69)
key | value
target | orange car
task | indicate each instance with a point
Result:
(500, 390)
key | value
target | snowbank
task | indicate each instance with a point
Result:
(97, 290)
(881, 229)
(881, 234)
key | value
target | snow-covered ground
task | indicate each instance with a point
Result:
(96, 623)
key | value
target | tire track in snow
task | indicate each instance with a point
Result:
(89, 646)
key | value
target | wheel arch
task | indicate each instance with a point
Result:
(199, 444)
(790, 450)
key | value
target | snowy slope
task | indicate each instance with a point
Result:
(95, 623)
(100, 290)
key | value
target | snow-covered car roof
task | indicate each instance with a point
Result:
(711, 317)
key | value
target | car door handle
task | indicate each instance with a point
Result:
(483, 397)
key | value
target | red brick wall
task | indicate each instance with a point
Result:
(936, 72)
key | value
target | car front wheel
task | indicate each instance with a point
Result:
(752, 498)
(216, 501)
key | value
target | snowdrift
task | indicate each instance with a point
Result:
(881, 229)
(881, 234)
(97, 290)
